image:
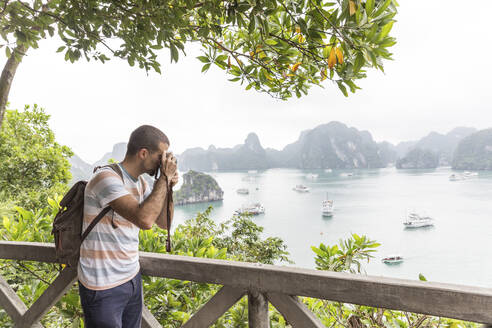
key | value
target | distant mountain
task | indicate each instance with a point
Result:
(82, 171)
(418, 158)
(118, 154)
(249, 155)
(332, 145)
(443, 145)
(387, 152)
(474, 152)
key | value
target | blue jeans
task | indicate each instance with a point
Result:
(117, 307)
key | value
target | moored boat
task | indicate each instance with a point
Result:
(301, 188)
(251, 209)
(243, 191)
(327, 207)
(414, 220)
(392, 259)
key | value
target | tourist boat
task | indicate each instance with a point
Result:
(251, 209)
(392, 259)
(416, 221)
(456, 177)
(312, 176)
(301, 188)
(243, 191)
(327, 207)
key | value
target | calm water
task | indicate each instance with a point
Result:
(373, 202)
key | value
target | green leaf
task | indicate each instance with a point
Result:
(369, 7)
(359, 62)
(203, 59)
(385, 30)
(205, 67)
(174, 52)
(342, 88)
(382, 7)
(421, 277)
(61, 49)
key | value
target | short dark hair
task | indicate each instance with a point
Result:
(145, 136)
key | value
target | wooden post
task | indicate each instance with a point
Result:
(258, 310)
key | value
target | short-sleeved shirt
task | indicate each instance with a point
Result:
(109, 256)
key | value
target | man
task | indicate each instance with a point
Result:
(110, 285)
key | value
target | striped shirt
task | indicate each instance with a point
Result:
(109, 256)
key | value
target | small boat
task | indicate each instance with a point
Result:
(251, 209)
(350, 174)
(301, 188)
(416, 221)
(327, 207)
(456, 177)
(243, 191)
(392, 259)
(469, 174)
(252, 171)
(328, 170)
(312, 176)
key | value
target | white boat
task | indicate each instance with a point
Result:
(469, 174)
(251, 209)
(252, 171)
(392, 259)
(327, 207)
(312, 176)
(416, 221)
(301, 188)
(456, 177)
(328, 170)
(350, 174)
(243, 191)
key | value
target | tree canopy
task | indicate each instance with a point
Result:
(33, 166)
(277, 46)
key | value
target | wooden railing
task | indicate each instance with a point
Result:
(278, 285)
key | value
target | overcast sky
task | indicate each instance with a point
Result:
(440, 78)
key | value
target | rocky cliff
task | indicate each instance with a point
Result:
(197, 187)
(332, 145)
(418, 158)
(247, 156)
(474, 152)
(443, 145)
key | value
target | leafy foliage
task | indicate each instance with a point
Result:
(345, 257)
(275, 46)
(32, 164)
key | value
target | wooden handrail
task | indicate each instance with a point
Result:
(437, 299)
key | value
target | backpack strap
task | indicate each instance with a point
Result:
(105, 211)
(169, 201)
(94, 222)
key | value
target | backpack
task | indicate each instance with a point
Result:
(67, 225)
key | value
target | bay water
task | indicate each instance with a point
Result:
(457, 249)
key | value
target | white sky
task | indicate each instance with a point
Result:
(440, 78)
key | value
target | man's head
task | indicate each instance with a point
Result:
(146, 146)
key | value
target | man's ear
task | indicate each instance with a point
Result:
(143, 153)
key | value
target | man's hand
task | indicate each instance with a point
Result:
(174, 179)
(169, 166)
